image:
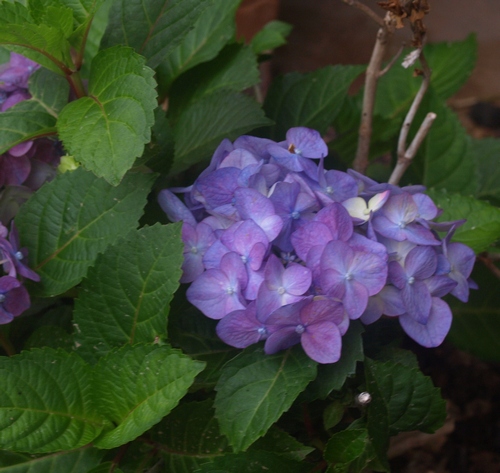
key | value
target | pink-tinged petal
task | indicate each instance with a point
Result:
(400, 209)
(370, 270)
(174, 208)
(378, 201)
(21, 149)
(417, 301)
(307, 142)
(355, 299)
(296, 279)
(322, 342)
(281, 339)
(239, 158)
(241, 328)
(426, 207)
(212, 293)
(435, 330)
(309, 235)
(362, 244)
(357, 208)
(313, 262)
(233, 266)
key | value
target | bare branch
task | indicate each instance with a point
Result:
(405, 161)
(367, 11)
(392, 61)
(489, 264)
(372, 74)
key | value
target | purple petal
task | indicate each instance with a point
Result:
(257, 146)
(241, 328)
(307, 142)
(426, 207)
(174, 208)
(309, 235)
(322, 342)
(322, 309)
(421, 262)
(355, 299)
(417, 300)
(440, 285)
(338, 221)
(434, 332)
(281, 339)
(16, 301)
(238, 158)
(296, 279)
(217, 188)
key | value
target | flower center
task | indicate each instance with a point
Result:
(244, 259)
(19, 255)
(349, 277)
(194, 250)
(300, 329)
(295, 215)
(262, 331)
(411, 280)
(329, 190)
(230, 291)
(2, 298)
(281, 290)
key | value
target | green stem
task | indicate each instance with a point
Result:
(75, 81)
(6, 344)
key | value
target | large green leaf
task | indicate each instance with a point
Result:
(107, 130)
(235, 68)
(37, 116)
(126, 295)
(72, 219)
(204, 124)
(311, 100)
(448, 154)
(255, 389)
(346, 447)
(45, 400)
(486, 153)
(271, 36)
(45, 44)
(189, 436)
(476, 324)
(152, 379)
(482, 227)
(403, 399)
(74, 461)
(152, 27)
(210, 33)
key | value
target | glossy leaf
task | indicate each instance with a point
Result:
(46, 402)
(152, 381)
(126, 295)
(312, 100)
(204, 124)
(152, 27)
(255, 389)
(72, 219)
(482, 227)
(107, 130)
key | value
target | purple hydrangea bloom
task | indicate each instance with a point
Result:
(314, 323)
(14, 299)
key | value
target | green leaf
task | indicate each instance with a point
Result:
(448, 154)
(255, 389)
(50, 336)
(126, 295)
(107, 130)
(72, 219)
(476, 325)
(49, 90)
(204, 124)
(345, 446)
(271, 36)
(312, 100)
(210, 33)
(189, 436)
(332, 377)
(253, 462)
(46, 402)
(283, 444)
(152, 27)
(486, 152)
(235, 69)
(74, 461)
(409, 398)
(333, 414)
(482, 227)
(152, 380)
(42, 43)
(451, 64)
(159, 152)
(108, 467)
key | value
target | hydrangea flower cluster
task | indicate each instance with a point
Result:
(26, 166)
(14, 298)
(279, 249)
